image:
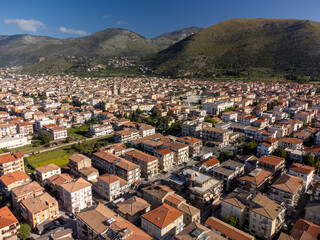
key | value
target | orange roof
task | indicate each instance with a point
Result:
(227, 229)
(297, 167)
(291, 140)
(272, 160)
(302, 226)
(190, 139)
(109, 178)
(10, 178)
(256, 180)
(9, 157)
(175, 199)
(163, 151)
(210, 162)
(162, 216)
(6, 217)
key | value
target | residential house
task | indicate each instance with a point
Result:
(113, 164)
(23, 192)
(163, 222)
(124, 136)
(132, 209)
(104, 224)
(9, 225)
(207, 165)
(256, 181)
(81, 165)
(312, 213)
(165, 158)
(196, 231)
(156, 194)
(57, 180)
(220, 136)
(146, 130)
(12, 180)
(101, 129)
(267, 146)
(228, 171)
(195, 145)
(77, 195)
(112, 187)
(302, 171)
(148, 163)
(272, 164)
(44, 172)
(287, 189)
(226, 230)
(180, 151)
(292, 143)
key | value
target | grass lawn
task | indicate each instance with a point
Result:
(29, 149)
(59, 156)
(75, 132)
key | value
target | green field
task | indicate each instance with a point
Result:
(59, 156)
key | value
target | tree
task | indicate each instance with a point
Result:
(250, 148)
(24, 231)
(45, 137)
(125, 115)
(224, 156)
(232, 220)
(280, 152)
(308, 159)
(139, 111)
(210, 120)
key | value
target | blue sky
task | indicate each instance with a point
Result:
(150, 18)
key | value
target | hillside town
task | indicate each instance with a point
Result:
(157, 158)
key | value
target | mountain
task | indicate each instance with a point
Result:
(166, 40)
(28, 49)
(244, 47)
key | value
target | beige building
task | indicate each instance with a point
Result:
(218, 135)
(165, 158)
(156, 194)
(44, 172)
(180, 151)
(265, 217)
(101, 223)
(148, 163)
(255, 181)
(81, 165)
(29, 190)
(126, 135)
(226, 230)
(195, 145)
(132, 209)
(287, 189)
(77, 195)
(11, 162)
(112, 187)
(9, 225)
(39, 209)
(163, 222)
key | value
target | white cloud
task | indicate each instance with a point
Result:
(26, 25)
(106, 16)
(70, 30)
(120, 22)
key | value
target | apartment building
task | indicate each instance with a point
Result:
(305, 117)
(255, 181)
(146, 130)
(267, 146)
(225, 230)
(101, 129)
(39, 209)
(113, 164)
(292, 143)
(25, 128)
(25, 191)
(217, 107)
(302, 171)
(11, 162)
(312, 213)
(112, 187)
(57, 132)
(124, 136)
(195, 145)
(57, 180)
(194, 128)
(163, 222)
(132, 209)
(14, 142)
(44, 172)
(81, 165)
(77, 195)
(102, 223)
(246, 119)
(221, 136)
(9, 225)
(156, 194)
(12, 180)
(266, 217)
(207, 165)
(272, 164)
(165, 158)
(180, 151)
(191, 214)
(230, 116)
(197, 231)
(287, 189)
(148, 163)
(228, 171)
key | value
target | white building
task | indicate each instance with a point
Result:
(302, 171)
(77, 195)
(14, 142)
